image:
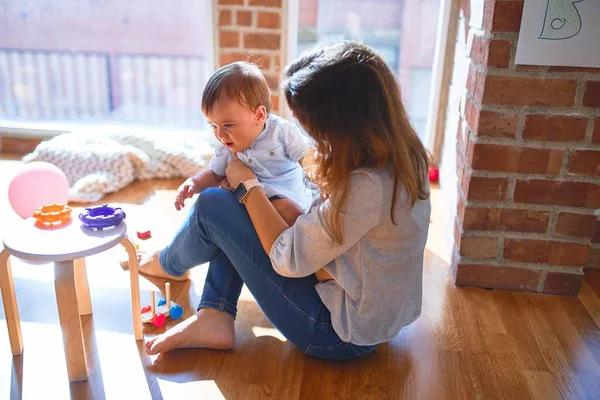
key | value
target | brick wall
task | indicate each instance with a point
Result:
(528, 165)
(252, 30)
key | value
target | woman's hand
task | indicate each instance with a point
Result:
(238, 172)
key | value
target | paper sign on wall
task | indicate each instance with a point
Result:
(560, 32)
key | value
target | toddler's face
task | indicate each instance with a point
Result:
(234, 125)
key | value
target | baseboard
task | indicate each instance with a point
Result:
(19, 145)
(592, 277)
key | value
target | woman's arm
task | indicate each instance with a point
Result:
(306, 248)
(269, 224)
(265, 218)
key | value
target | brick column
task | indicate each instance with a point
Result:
(251, 30)
(528, 166)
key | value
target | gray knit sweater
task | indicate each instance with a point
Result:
(377, 271)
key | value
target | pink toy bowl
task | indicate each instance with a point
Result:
(36, 184)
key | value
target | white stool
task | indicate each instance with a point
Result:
(67, 247)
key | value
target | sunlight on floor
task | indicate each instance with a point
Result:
(260, 331)
(43, 359)
(120, 364)
(188, 390)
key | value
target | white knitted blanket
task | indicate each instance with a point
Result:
(97, 164)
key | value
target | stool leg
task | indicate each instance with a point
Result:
(83, 288)
(135, 288)
(70, 322)
(10, 304)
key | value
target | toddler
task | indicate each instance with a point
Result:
(237, 105)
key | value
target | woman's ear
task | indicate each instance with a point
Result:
(260, 115)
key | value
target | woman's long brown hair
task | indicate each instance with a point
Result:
(348, 100)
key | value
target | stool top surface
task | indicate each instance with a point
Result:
(25, 240)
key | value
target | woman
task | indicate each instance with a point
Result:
(347, 275)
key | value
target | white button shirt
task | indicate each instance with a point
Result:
(273, 156)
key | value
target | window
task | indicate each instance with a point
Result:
(105, 61)
(403, 31)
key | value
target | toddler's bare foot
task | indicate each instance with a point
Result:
(208, 328)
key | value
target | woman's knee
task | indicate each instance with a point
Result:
(212, 201)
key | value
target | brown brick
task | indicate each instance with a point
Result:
(231, 2)
(596, 134)
(479, 50)
(524, 221)
(569, 254)
(262, 40)
(520, 91)
(476, 84)
(530, 251)
(472, 112)
(244, 18)
(507, 16)
(270, 20)
(563, 283)
(262, 60)
(482, 218)
(228, 58)
(461, 210)
(489, 276)
(575, 194)
(585, 162)
(577, 225)
(596, 235)
(591, 96)
(224, 17)
(497, 124)
(491, 157)
(266, 3)
(556, 128)
(470, 151)
(498, 53)
(594, 258)
(545, 252)
(478, 247)
(487, 189)
(229, 39)
(457, 233)
(556, 68)
(464, 178)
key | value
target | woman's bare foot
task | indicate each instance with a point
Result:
(208, 328)
(150, 265)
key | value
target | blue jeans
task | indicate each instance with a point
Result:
(219, 231)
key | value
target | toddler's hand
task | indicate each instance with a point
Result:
(185, 191)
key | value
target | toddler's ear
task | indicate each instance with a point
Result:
(260, 115)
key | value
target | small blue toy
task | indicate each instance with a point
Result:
(101, 217)
(157, 316)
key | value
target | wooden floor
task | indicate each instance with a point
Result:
(467, 344)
